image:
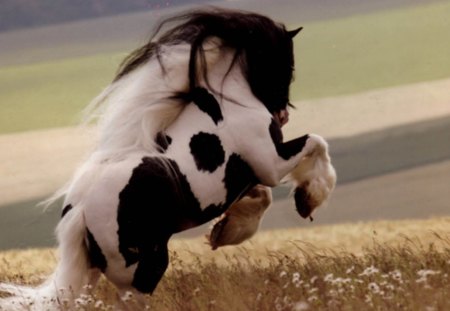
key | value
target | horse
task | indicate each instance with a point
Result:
(189, 130)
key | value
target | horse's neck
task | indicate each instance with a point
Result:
(141, 104)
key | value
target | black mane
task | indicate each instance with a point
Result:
(263, 48)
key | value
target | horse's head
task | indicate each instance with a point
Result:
(263, 49)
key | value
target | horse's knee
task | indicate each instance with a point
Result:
(316, 146)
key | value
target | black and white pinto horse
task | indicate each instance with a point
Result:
(190, 125)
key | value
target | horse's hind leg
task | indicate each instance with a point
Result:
(241, 221)
(153, 262)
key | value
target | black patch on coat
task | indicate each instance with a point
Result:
(66, 209)
(163, 141)
(207, 151)
(96, 257)
(239, 178)
(207, 103)
(156, 203)
(288, 149)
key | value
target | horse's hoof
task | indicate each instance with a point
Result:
(214, 238)
(304, 202)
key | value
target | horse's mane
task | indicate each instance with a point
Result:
(264, 43)
(132, 110)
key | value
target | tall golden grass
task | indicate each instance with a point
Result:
(386, 265)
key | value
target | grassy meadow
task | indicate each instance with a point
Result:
(333, 57)
(385, 265)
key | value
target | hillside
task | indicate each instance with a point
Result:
(48, 76)
(36, 13)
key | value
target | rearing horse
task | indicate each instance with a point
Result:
(190, 124)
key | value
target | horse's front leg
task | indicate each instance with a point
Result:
(305, 161)
(241, 221)
(313, 177)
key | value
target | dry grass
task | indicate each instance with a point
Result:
(398, 265)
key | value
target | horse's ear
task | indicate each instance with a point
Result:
(293, 33)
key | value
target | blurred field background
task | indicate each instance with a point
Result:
(373, 77)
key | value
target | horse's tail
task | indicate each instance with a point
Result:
(69, 278)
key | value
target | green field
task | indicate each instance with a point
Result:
(340, 56)
(51, 94)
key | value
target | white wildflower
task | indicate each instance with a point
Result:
(425, 273)
(421, 280)
(99, 304)
(295, 277)
(127, 296)
(369, 271)
(328, 277)
(333, 292)
(312, 298)
(396, 275)
(297, 284)
(373, 287)
(79, 302)
(300, 306)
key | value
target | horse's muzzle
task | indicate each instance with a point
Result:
(282, 117)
